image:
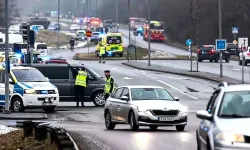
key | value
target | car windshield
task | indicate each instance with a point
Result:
(95, 73)
(114, 39)
(150, 94)
(29, 75)
(235, 105)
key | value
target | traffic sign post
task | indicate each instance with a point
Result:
(221, 45)
(189, 43)
(235, 31)
(132, 48)
(243, 44)
(88, 34)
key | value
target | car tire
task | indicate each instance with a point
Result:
(132, 122)
(208, 144)
(153, 127)
(211, 60)
(180, 127)
(98, 99)
(240, 62)
(216, 59)
(17, 104)
(49, 109)
(108, 121)
(199, 60)
(120, 55)
(227, 60)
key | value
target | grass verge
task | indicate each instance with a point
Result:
(141, 54)
(15, 140)
(50, 38)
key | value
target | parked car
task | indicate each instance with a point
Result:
(63, 77)
(232, 49)
(208, 52)
(246, 54)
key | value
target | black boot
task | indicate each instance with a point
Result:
(77, 104)
(83, 104)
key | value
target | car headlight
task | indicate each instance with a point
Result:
(142, 109)
(184, 109)
(29, 91)
(56, 91)
(230, 137)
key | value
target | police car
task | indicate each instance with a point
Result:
(29, 88)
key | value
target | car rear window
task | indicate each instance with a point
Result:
(206, 48)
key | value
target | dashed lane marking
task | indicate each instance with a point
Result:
(178, 78)
(143, 73)
(182, 92)
(127, 78)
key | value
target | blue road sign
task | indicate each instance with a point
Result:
(221, 44)
(189, 42)
(35, 28)
(235, 30)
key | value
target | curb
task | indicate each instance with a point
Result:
(133, 59)
(183, 74)
(23, 116)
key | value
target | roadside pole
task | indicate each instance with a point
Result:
(129, 30)
(149, 33)
(235, 31)
(243, 62)
(7, 61)
(220, 36)
(135, 50)
(58, 21)
(28, 45)
(116, 14)
(189, 43)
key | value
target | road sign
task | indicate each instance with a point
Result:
(88, 33)
(235, 30)
(242, 42)
(235, 42)
(189, 42)
(35, 28)
(221, 44)
(131, 48)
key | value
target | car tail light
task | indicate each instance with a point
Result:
(248, 54)
(199, 51)
(211, 52)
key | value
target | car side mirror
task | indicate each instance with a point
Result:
(47, 78)
(176, 98)
(125, 98)
(91, 78)
(11, 81)
(203, 114)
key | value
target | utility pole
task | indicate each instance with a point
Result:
(149, 33)
(96, 8)
(129, 30)
(58, 22)
(116, 10)
(7, 61)
(220, 36)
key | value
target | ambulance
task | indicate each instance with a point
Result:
(29, 88)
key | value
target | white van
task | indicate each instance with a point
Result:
(29, 88)
(13, 38)
(42, 49)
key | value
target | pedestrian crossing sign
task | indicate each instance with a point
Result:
(235, 30)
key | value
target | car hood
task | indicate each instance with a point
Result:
(37, 85)
(159, 105)
(238, 126)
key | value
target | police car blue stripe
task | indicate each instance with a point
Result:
(27, 86)
(2, 100)
(18, 89)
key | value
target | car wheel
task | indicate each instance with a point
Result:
(132, 122)
(199, 60)
(208, 145)
(49, 109)
(108, 122)
(180, 128)
(153, 127)
(210, 60)
(98, 99)
(17, 104)
(120, 55)
(216, 59)
(227, 60)
(240, 62)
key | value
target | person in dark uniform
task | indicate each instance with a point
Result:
(72, 43)
(109, 84)
(106, 30)
(81, 83)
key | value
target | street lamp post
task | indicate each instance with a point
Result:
(58, 21)
(116, 10)
(7, 61)
(129, 30)
(220, 35)
(149, 33)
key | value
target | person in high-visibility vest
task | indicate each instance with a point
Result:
(80, 85)
(109, 84)
(102, 53)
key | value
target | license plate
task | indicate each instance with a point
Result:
(204, 52)
(166, 119)
(113, 48)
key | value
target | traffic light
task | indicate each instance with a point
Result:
(32, 38)
(17, 48)
(25, 28)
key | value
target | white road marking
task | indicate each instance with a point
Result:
(114, 69)
(127, 78)
(235, 69)
(178, 78)
(135, 69)
(178, 90)
(143, 73)
(154, 78)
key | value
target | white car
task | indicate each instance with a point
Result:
(29, 88)
(74, 27)
(144, 106)
(246, 54)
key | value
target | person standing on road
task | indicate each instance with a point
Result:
(106, 30)
(80, 85)
(109, 84)
(72, 43)
(102, 53)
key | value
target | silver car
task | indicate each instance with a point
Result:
(225, 122)
(144, 106)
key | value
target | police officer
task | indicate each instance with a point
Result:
(106, 30)
(109, 85)
(102, 53)
(80, 85)
(72, 43)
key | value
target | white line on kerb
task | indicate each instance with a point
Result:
(178, 89)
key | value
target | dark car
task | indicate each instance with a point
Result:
(63, 77)
(232, 49)
(54, 27)
(208, 52)
(138, 31)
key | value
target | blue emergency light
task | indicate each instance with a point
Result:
(18, 55)
(110, 53)
(44, 92)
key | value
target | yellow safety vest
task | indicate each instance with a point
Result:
(108, 85)
(81, 78)
(102, 50)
